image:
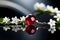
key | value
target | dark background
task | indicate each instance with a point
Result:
(41, 34)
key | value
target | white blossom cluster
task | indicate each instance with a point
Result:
(15, 20)
(52, 23)
(52, 26)
(43, 7)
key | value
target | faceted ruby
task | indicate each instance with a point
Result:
(31, 29)
(30, 20)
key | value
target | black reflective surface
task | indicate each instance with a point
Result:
(10, 12)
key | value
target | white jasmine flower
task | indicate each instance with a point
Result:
(56, 10)
(57, 16)
(52, 29)
(15, 28)
(6, 28)
(22, 18)
(36, 6)
(6, 20)
(40, 6)
(15, 20)
(50, 8)
(52, 23)
(23, 29)
(52, 26)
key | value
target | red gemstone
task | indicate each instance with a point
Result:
(30, 19)
(31, 29)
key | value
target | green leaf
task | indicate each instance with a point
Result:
(23, 24)
(1, 19)
(39, 10)
(58, 24)
(43, 12)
